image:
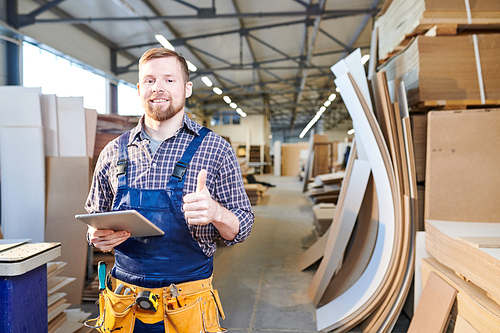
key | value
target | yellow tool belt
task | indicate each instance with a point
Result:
(196, 308)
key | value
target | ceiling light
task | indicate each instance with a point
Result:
(351, 131)
(365, 58)
(322, 109)
(332, 97)
(241, 113)
(227, 99)
(191, 66)
(233, 105)
(327, 103)
(337, 89)
(164, 42)
(217, 90)
(207, 81)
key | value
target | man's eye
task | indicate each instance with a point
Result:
(149, 81)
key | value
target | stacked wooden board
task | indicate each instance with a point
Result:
(462, 217)
(402, 19)
(56, 299)
(442, 70)
(323, 216)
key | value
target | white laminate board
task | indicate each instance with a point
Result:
(20, 106)
(22, 162)
(71, 127)
(49, 122)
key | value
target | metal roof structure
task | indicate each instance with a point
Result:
(270, 57)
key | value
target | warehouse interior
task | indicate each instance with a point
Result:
(367, 134)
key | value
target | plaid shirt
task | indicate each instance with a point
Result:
(147, 171)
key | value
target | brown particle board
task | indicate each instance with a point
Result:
(433, 310)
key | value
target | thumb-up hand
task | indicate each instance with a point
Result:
(199, 207)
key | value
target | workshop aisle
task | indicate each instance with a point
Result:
(260, 285)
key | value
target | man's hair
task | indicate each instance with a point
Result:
(161, 52)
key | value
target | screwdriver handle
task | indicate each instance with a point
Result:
(101, 271)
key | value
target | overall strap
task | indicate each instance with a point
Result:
(122, 163)
(176, 181)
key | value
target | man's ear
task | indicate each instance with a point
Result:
(189, 89)
(138, 90)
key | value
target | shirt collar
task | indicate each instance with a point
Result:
(187, 124)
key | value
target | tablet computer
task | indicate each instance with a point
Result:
(128, 220)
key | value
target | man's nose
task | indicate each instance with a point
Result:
(158, 87)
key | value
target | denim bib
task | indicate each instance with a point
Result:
(174, 257)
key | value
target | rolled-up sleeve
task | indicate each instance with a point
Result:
(230, 193)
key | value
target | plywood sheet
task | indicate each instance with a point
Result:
(71, 127)
(463, 154)
(431, 315)
(22, 182)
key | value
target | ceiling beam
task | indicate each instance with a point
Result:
(327, 13)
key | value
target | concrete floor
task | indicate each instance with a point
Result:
(259, 283)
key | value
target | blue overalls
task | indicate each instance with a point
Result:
(158, 261)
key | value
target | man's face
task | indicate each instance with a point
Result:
(162, 89)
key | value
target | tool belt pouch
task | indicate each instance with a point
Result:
(118, 312)
(199, 312)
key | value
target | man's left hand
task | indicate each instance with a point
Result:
(199, 207)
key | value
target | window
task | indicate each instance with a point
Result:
(215, 119)
(56, 75)
(236, 118)
(129, 103)
(226, 118)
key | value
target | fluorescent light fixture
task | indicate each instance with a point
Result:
(332, 97)
(233, 105)
(207, 81)
(337, 89)
(241, 113)
(312, 122)
(365, 58)
(217, 90)
(191, 66)
(227, 99)
(164, 42)
(322, 109)
(351, 131)
(327, 103)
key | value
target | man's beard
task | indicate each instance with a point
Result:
(159, 114)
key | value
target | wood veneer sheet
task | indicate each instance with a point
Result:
(339, 236)
(479, 265)
(351, 307)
